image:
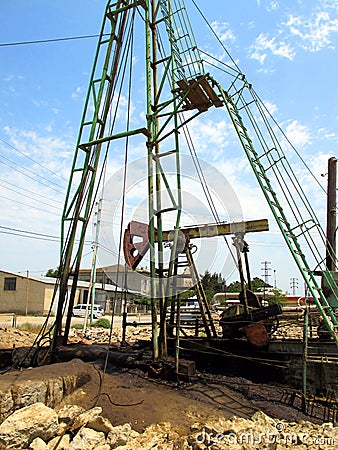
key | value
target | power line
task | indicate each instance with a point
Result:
(12, 166)
(31, 237)
(31, 159)
(32, 234)
(31, 198)
(216, 36)
(294, 283)
(29, 206)
(29, 232)
(27, 190)
(46, 41)
(264, 106)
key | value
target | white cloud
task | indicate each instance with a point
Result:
(315, 32)
(39, 103)
(271, 107)
(12, 77)
(77, 93)
(265, 70)
(32, 192)
(260, 57)
(298, 134)
(274, 5)
(312, 32)
(210, 136)
(269, 5)
(52, 151)
(329, 135)
(265, 44)
(223, 31)
(251, 25)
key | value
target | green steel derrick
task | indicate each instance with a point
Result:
(185, 54)
(177, 82)
(168, 61)
(274, 174)
(167, 65)
(81, 189)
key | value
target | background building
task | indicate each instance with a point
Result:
(28, 294)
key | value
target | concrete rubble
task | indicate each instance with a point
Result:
(39, 427)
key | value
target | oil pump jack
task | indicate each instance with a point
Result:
(136, 244)
(179, 89)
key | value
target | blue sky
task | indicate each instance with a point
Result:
(287, 49)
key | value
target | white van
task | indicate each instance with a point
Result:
(80, 310)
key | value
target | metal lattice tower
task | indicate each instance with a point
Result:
(174, 76)
(176, 81)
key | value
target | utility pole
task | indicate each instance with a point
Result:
(91, 289)
(331, 223)
(27, 281)
(266, 271)
(294, 283)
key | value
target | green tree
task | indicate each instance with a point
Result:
(212, 284)
(235, 286)
(258, 284)
(185, 295)
(279, 297)
(52, 273)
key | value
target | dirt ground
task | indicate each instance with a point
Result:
(130, 396)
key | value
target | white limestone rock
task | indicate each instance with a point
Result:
(59, 443)
(28, 423)
(101, 424)
(38, 444)
(87, 439)
(68, 413)
(120, 435)
(85, 417)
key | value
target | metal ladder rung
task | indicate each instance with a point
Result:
(240, 124)
(269, 189)
(249, 147)
(87, 123)
(242, 133)
(262, 175)
(276, 205)
(160, 155)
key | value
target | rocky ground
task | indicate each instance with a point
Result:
(126, 409)
(11, 338)
(71, 427)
